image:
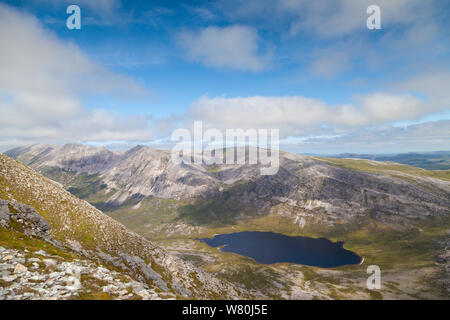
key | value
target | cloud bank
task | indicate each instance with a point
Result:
(42, 80)
(234, 47)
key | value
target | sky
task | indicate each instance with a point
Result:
(138, 70)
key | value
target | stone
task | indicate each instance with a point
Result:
(4, 273)
(6, 267)
(73, 284)
(9, 278)
(123, 292)
(50, 262)
(37, 278)
(41, 252)
(20, 268)
(8, 257)
(144, 294)
(4, 211)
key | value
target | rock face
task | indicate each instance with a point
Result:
(148, 172)
(52, 277)
(76, 225)
(73, 157)
(302, 185)
(31, 222)
(443, 261)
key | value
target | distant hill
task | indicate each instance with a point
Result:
(439, 160)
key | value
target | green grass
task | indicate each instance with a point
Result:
(374, 295)
(429, 160)
(221, 210)
(253, 278)
(385, 167)
(89, 187)
(151, 212)
(11, 239)
(214, 168)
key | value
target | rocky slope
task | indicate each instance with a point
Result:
(27, 271)
(38, 275)
(73, 157)
(44, 210)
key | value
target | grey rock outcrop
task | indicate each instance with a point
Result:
(67, 279)
(32, 223)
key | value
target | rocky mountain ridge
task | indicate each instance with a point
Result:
(303, 187)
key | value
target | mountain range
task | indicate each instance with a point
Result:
(333, 191)
(395, 215)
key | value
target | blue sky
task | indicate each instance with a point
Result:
(139, 69)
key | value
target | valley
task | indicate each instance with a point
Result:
(394, 216)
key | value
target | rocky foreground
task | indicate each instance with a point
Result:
(27, 275)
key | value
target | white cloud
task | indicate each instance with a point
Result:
(299, 114)
(429, 136)
(311, 125)
(328, 63)
(384, 108)
(33, 59)
(326, 18)
(255, 112)
(434, 83)
(412, 33)
(42, 81)
(233, 47)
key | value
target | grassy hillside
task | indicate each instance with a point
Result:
(439, 160)
(387, 167)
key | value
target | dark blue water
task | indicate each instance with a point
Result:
(269, 247)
